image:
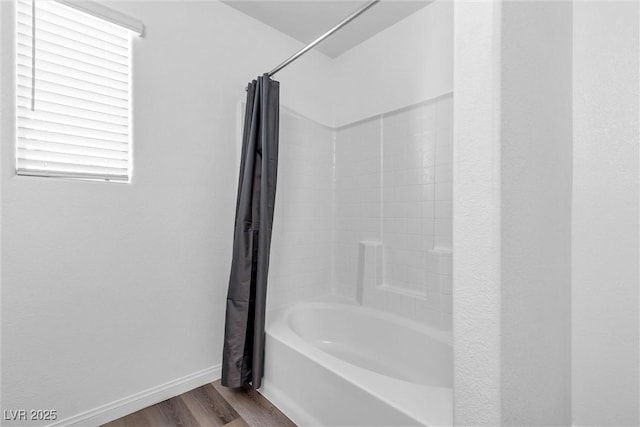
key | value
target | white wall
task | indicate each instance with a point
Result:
(406, 64)
(605, 212)
(512, 198)
(536, 174)
(476, 203)
(113, 289)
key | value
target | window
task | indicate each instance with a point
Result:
(73, 93)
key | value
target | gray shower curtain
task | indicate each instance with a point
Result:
(243, 354)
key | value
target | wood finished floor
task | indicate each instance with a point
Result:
(211, 405)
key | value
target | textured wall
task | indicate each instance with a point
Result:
(476, 233)
(606, 340)
(512, 233)
(536, 175)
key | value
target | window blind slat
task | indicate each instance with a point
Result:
(49, 125)
(73, 108)
(115, 63)
(41, 135)
(24, 64)
(61, 60)
(52, 107)
(66, 83)
(103, 86)
(81, 90)
(91, 23)
(56, 147)
(97, 48)
(83, 160)
(71, 175)
(75, 121)
(72, 101)
(67, 19)
(40, 168)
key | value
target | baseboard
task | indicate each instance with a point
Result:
(135, 402)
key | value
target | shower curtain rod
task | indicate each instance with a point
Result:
(341, 24)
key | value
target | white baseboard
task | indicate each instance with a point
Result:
(135, 402)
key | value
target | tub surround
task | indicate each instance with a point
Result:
(393, 187)
(360, 287)
(385, 181)
(300, 265)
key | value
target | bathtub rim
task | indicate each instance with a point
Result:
(444, 337)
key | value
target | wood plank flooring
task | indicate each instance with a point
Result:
(211, 405)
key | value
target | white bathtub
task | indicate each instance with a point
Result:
(333, 364)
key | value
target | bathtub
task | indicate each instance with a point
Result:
(339, 364)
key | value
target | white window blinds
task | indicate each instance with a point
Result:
(73, 94)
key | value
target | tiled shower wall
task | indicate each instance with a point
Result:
(358, 198)
(393, 185)
(300, 264)
(386, 181)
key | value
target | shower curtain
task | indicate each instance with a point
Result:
(243, 354)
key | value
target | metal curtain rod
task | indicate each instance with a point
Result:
(341, 24)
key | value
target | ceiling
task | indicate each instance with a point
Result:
(305, 20)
